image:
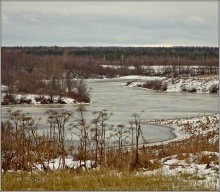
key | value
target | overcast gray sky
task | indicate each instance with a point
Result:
(143, 23)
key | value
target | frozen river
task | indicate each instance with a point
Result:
(122, 101)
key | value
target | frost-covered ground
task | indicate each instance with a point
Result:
(184, 84)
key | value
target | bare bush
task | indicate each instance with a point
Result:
(214, 89)
(155, 85)
(8, 99)
(19, 134)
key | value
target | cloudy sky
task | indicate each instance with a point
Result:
(101, 23)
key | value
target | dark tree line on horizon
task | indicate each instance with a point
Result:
(116, 52)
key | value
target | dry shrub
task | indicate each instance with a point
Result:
(182, 156)
(146, 162)
(8, 99)
(25, 101)
(151, 165)
(118, 160)
(155, 85)
(205, 159)
(194, 144)
(43, 100)
(214, 89)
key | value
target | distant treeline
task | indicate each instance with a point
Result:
(112, 53)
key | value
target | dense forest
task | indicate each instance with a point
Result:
(51, 70)
(112, 53)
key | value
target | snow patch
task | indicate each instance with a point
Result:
(69, 163)
(140, 77)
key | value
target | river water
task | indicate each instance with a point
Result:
(122, 101)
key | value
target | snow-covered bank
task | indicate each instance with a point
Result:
(199, 85)
(183, 84)
(184, 128)
(140, 77)
(190, 165)
(35, 99)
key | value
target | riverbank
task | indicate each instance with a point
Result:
(184, 128)
(34, 99)
(199, 84)
(194, 151)
(206, 126)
